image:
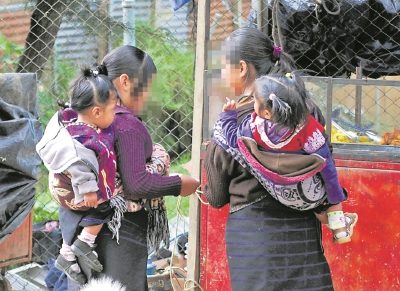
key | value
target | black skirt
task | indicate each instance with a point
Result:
(126, 261)
(270, 247)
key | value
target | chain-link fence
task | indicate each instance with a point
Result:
(344, 46)
(54, 38)
(354, 39)
(327, 38)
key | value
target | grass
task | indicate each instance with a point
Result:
(46, 208)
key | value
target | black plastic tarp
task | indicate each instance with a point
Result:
(318, 39)
(19, 163)
(378, 48)
(362, 33)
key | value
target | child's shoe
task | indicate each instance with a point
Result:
(70, 270)
(84, 251)
(343, 235)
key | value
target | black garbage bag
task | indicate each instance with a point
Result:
(19, 164)
(320, 40)
(300, 30)
(299, 25)
(340, 36)
(378, 48)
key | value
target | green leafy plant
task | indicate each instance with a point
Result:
(9, 52)
(169, 114)
(45, 207)
(53, 86)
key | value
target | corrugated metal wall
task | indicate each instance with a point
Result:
(73, 41)
(176, 22)
(15, 17)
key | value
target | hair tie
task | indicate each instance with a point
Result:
(95, 73)
(102, 69)
(277, 51)
(279, 106)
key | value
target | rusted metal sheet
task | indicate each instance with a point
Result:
(14, 25)
(17, 247)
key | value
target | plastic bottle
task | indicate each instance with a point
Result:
(151, 267)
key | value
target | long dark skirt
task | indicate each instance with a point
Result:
(272, 248)
(126, 261)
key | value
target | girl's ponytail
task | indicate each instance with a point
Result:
(88, 73)
(102, 69)
(90, 88)
(283, 64)
(256, 48)
(63, 104)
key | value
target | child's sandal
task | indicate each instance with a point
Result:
(66, 266)
(351, 221)
(87, 254)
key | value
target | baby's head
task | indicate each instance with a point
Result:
(281, 99)
(93, 97)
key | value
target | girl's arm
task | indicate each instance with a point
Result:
(229, 124)
(330, 177)
(83, 179)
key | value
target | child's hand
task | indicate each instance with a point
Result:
(90, 199)
(230, 105)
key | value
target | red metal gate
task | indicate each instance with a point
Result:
(369, 262)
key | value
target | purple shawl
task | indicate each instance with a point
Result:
(101, 141)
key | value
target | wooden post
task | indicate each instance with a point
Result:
(358, 105)
(261, 6)
(103, 32)
(203, 16)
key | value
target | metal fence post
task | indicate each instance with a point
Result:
(128, 16)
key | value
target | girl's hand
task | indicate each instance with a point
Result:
(230, 105)
(90, 199)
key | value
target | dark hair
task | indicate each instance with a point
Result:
(285, 97)
(89, 89)
(256, 48)
(132, 61)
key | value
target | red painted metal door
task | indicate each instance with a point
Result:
(370, 262)
(214, 272)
